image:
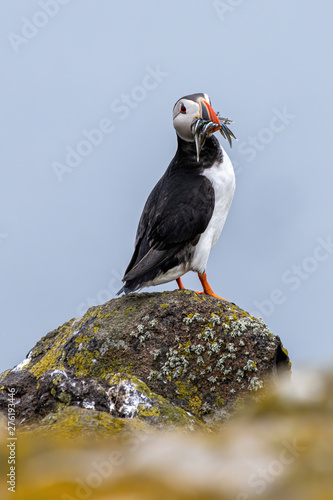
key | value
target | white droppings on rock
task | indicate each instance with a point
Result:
(112, 407)
(23, 363)
(59, 372)
(128, 399)
(76, 320)
(89, 405)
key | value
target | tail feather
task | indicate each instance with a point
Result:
(129, 288)
(153, 264)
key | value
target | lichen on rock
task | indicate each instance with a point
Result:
(171, 359)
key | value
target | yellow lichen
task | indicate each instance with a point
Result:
(197, 298)
(219, 401)
(148, 412)
(195, 404)
(184, 349)
(129, 309)
(65, 398)
(51, 359)
(185, 391)
(82, 339)
(83, 362)
(72, 422)
(285, 351)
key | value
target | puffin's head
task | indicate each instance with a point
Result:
(194, 120)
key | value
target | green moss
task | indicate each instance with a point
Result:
(164, 305)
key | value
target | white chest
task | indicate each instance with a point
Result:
(222, 177)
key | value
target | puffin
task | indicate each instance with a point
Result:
(185, 213)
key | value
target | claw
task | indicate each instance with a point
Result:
(206, 286)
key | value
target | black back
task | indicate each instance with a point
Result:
(176, 213)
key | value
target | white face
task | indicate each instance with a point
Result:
(199, 106)
(184, 112)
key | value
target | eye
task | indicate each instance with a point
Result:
(182, 109)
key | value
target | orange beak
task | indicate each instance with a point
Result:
(207, 113)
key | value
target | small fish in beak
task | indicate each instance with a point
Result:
(225, 131)
(208, 123)
(201, 128)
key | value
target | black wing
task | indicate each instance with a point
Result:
(177, 211)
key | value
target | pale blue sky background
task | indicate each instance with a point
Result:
(64, 245)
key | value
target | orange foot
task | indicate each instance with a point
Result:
(206, 287)
(180, 284)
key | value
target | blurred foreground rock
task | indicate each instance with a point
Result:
(173, 360)
(280, 448)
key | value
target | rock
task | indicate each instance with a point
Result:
(281, 448)
(171, 359)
